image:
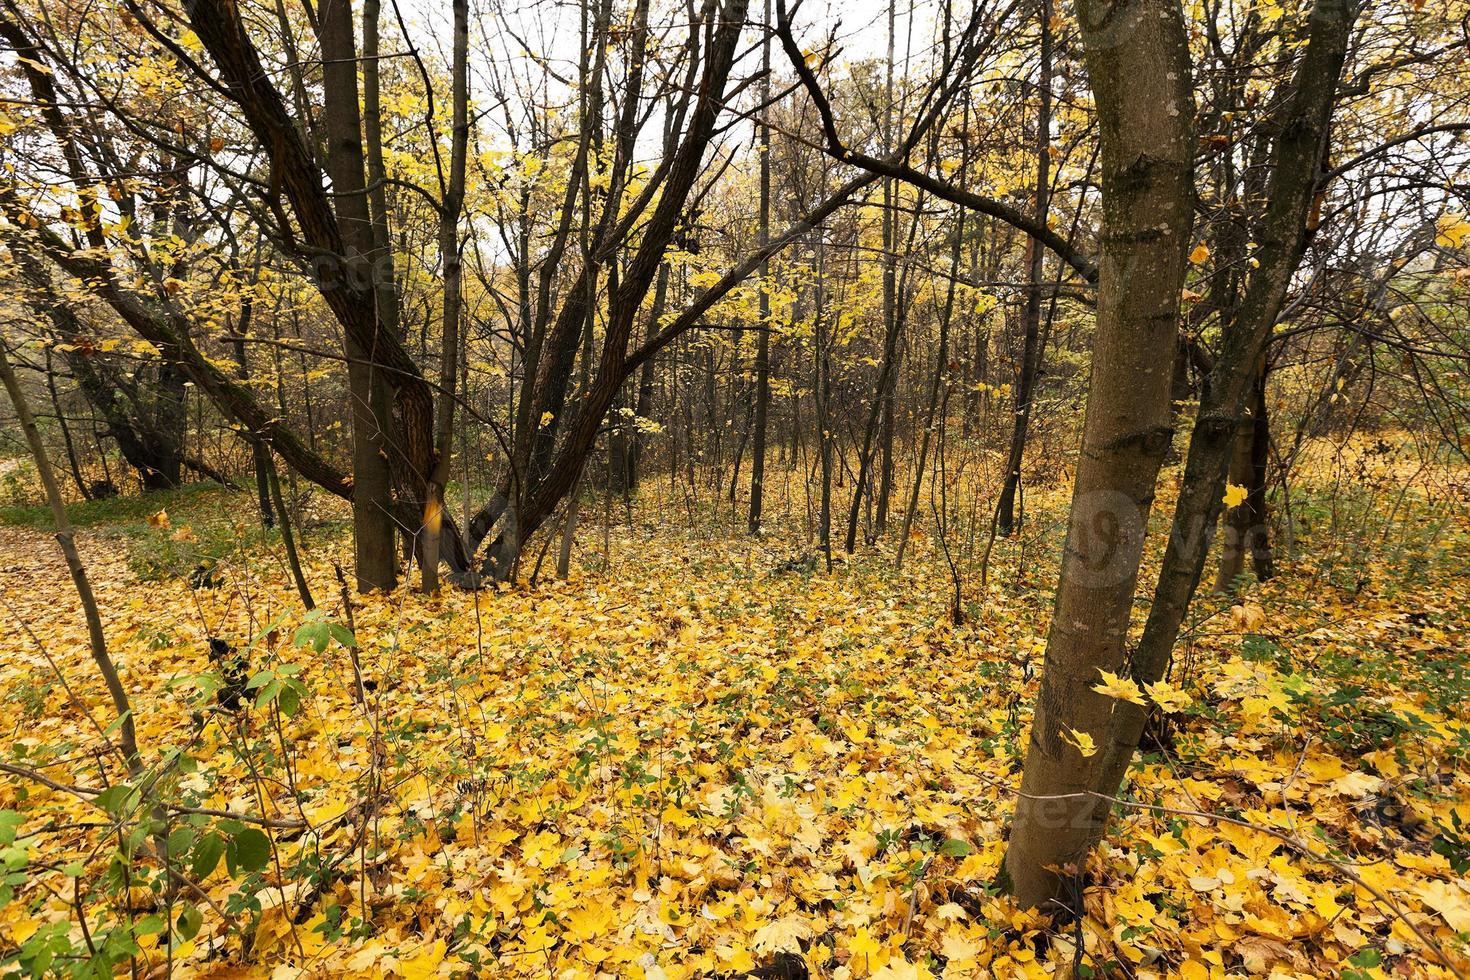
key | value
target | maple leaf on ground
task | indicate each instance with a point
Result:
(783, 935)
(1449, 900)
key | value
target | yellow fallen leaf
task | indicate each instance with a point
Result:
(862, 945)
(589, 921)
(425, 964)
(1200, 254)
(1193, 970)
(1235, 495)
(1449, 900)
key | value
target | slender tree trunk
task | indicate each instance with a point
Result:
(763, 340)
(259, 455)
(645, 381)
(1138, 66)
(941, 368)
(865, 458)
(1244, 529)
(1262, 558)
(891, 315)
(1005, 520)
(824, 407)
(449, 255)
(288, 537)
(71, 450)
(66, 539)
(385, 282)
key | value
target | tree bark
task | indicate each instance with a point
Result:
(376, 563)
(449, 255)
(1138, 66)
(1244, 531)
(1005, 520)
(1305, 110)
(763, 339)
(66, 539)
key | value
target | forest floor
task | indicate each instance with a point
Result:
(705, 751)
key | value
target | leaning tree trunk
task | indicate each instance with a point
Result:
(127, 734)
(1139, 69)
(1304, 114)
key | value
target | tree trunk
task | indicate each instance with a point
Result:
(65, 538)
(66, 439)
(763, 340)
(372, 417)
(1259, 543)
(1139, 70)
(1305, 112)
(288, 537)
(644, 404)
(1005, 520)
(449, 255)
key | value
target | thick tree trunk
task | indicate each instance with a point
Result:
(337, 232)
(1139, 69)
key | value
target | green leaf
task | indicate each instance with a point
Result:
(149, 925)
(207, 852)
(10, 821)
(250, 849)
(180, 841)
(954, 847)
(118, 799)
(188, 923)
